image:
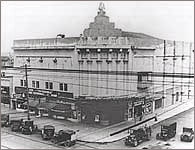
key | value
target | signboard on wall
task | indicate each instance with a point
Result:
(148, 107)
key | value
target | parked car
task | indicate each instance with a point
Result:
(167, 132)
(138, 136)
(48, 132)
(65, 137)
(16, 125)
(187, 135)
(5, 120)
(28, 127)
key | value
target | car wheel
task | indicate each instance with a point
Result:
(185, 138)
(135, 143)
(158, 136)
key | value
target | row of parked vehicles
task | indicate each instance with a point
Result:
(167, 132)
(68, 137)
(62, 137)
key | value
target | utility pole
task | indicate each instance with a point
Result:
(27, 94)
(164, 59)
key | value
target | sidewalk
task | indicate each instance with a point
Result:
(102, 136)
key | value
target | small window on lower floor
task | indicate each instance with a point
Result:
(37, 84)
(177, 96)
(65, 87)
(61, 86)
(47, 85)
(50, 85)
(33, 84)
(21, 83)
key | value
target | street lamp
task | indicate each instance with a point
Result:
(61, 36)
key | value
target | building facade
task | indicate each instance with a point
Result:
(105, 72)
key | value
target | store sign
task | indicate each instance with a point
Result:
(148, 108)
(138, 103)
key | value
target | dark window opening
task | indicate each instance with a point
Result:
(33, 84)
(61, 86)
(21, 83)
(37, 84)
(50, 85)
(65, 87)
(46, 85)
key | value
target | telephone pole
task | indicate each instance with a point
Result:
(27, 94)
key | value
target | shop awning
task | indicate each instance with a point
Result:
(32, 103)
(61, 108)
(46, 105)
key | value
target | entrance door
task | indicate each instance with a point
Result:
(138, 111)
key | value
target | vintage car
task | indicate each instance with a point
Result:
(65, 138)
(5, 120)
(167, 132)
(138, 136)
(28, 127)
(187, 135)
(16, 125)
(47, 132)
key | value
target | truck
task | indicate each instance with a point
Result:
(187, 135)
(47, 132)
(167, 132)
(5, 120)
(138, 136)
(65, 138)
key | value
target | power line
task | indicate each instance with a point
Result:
(157, 74)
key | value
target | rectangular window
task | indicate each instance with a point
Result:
(33, 84)
(21, 83)
(104, 55)
(37, 84)
(25, 83)
(139, 78)
(144, 76)
(50, 85)
(46, 85)
(177, 96)
(84, 55)
(93, 55)
(114, 55)
(65, 87)
(158, 103)
(61, 86)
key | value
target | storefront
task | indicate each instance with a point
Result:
(5, 94)
(44, 108)
(103, 112)
(61, 111)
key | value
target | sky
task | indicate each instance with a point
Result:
(173, 20)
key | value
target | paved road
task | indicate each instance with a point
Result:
(19, 141)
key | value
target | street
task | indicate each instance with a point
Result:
(15, 140)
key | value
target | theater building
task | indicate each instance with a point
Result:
(105, 74)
